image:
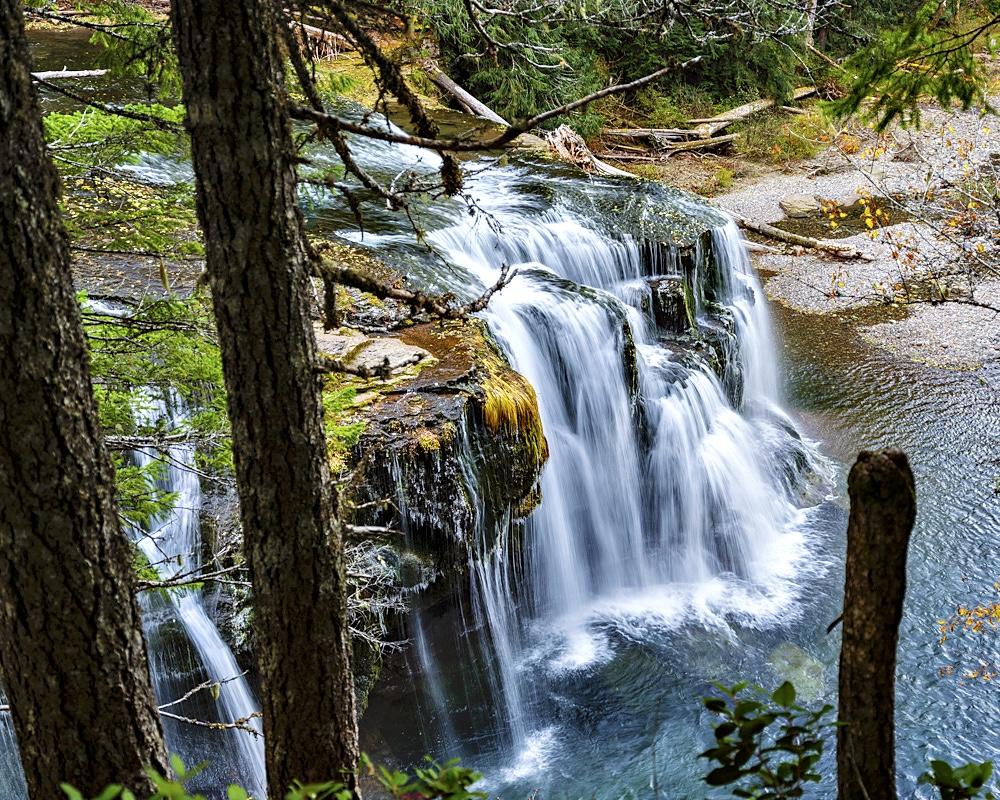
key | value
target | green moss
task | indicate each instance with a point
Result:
(511, 405)
(689, 305)
(343, 430)
(428, 441)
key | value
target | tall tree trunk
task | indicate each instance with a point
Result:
(71, 645)
(258, 268)
(883, 509)
(811, 12)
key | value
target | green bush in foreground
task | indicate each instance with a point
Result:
(434, 781)
(768, 748)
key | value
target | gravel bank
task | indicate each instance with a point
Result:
(903, 163)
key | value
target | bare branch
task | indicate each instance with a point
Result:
(332, 124)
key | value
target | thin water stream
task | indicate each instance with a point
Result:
(185, 647)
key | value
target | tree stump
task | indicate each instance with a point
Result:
(883, 509)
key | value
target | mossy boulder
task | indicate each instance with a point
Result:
(450, 452)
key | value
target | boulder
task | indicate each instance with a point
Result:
(369, 353)
(799, 205)
(670, 304)
(449, 453)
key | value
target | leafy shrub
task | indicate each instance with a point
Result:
(960, 783)
(433, 781)
(777, 138)
(766, 748)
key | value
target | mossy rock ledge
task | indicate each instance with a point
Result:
(451, 452)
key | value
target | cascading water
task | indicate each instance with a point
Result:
(185, 648)
(672, 500)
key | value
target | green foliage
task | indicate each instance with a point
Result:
(140, 498)
(168, 345)
(505, 79)
(448, 781)
(960, 783)
(768, 748)
(105, 207)
(931, 55)
(433, 781)
(100, 138)
(765, 748)
(776, 138)
(575, 54)
(139, 45)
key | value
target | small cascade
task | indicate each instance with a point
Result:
(185, 647)
(12, 782)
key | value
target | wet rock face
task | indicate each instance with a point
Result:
(669, 305)
(687, 310)
(453, 451)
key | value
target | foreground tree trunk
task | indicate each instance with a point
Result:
(71, 646)
(258, 270)
(883, 509)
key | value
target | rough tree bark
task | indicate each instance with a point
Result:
(72, 648)
(258, 269)
(883, 509)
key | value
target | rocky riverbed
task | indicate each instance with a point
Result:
(902, 171)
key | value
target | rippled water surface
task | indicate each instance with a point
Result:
(853, 396)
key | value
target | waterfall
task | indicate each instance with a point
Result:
(185, 647)
(665, 499)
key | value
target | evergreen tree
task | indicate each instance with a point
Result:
(71, 646)
(258, 267)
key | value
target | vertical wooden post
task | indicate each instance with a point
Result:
(883, 509)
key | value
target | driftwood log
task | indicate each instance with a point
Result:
(703, 128)
(468, 103)
(883, 509)
(569, 146)
(56, 74)
(823, 245)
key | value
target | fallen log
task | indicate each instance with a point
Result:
(670, 146)
(703, 144)
(468, 102)
(657, 135)
(817, 52)
(569, 146)
(324, 35)
(709, 126)
(645, 158)
(56, 74)
(823, 245)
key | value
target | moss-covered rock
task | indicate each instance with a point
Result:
(451, 451)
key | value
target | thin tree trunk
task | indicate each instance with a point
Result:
(71, 645)
(258, 270)
(883, 509)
